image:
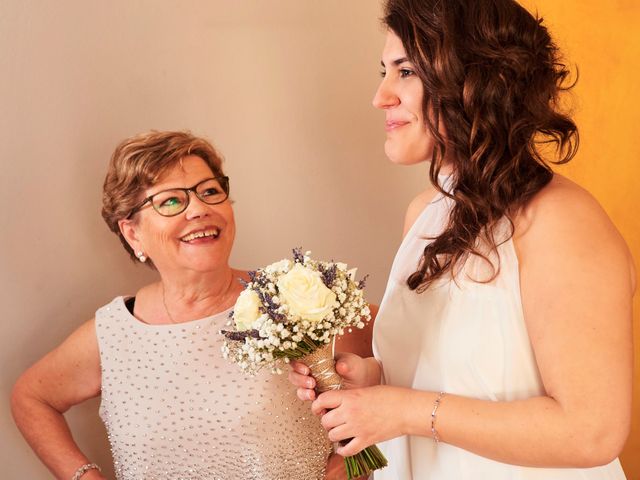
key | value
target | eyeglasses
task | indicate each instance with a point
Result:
(174, 201)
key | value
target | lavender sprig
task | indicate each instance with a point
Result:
(298, 256)
(362, 283)
(328, 274)
(240, 336)
(270, 307)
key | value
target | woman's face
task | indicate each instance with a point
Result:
(400, 95)
(168, 241)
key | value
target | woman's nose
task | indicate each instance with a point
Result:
(196, 208)
(385, 97)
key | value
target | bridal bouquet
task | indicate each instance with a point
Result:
(293, 309)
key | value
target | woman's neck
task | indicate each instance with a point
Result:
(192, 296)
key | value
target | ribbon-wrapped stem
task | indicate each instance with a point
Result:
(322, 365)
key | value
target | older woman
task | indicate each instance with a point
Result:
(172, 406)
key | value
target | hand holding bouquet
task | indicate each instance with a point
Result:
(293, 309)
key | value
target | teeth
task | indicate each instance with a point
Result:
(204, 233)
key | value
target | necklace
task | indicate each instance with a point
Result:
(166, 309)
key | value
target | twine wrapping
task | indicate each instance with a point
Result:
(323, 368)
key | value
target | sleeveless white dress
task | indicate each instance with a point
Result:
(464, 338)
(176, 410)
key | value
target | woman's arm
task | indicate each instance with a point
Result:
(576, 293)
(66, 376)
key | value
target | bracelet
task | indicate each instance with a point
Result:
(436, 404)
(84, 469)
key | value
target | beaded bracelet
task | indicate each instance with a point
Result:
(84, 469)
(436, 404)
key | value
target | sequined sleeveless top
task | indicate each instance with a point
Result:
(174, 409)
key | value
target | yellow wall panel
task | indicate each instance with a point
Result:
(602, 40)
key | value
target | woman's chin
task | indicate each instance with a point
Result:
(203, 260)
(401, 156)
(206, 265)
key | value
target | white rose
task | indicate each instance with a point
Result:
(305, 294)
(246, 312)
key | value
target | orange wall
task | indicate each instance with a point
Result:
(602, 39)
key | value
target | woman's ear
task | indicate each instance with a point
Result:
(129, 229)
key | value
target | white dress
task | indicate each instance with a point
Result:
(176, 410)
(464, 338)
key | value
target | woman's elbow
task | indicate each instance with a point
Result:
(600, 446)
(27, 399)
(20, 397)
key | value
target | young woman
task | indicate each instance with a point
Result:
(503, 344)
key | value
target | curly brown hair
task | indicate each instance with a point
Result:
(139, 162)
(492, 78)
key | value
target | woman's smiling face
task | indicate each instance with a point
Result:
(198, 239)
(400, 95)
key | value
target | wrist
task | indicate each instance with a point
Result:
(416, 415)
(88, 471)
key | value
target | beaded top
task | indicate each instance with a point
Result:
(174, 409)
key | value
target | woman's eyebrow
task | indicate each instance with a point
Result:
(397, 62)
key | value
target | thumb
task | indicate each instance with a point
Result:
(351, 367)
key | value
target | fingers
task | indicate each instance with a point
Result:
(352, 368)
(347, 362)
(306, 394)
(339, 433)
(299, 367)
(331, 419)
(299, 377)
(327, 401)
(301, 381)
(343, 368)
(354, 446)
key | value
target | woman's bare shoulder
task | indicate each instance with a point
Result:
(565, 217)
(565, 208)
(417, 205)
(147, 291)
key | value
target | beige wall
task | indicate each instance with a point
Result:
(282, 87)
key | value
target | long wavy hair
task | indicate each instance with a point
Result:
(492, 80)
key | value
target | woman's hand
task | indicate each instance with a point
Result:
(356, 372)
(364, 415)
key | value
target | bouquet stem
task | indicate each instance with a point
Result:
(323, 369)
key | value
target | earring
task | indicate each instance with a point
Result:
(141, 256)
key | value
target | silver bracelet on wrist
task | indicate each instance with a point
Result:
(84, 469)
(436, 404)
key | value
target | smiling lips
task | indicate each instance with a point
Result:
(391, 125)
(201, 234)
